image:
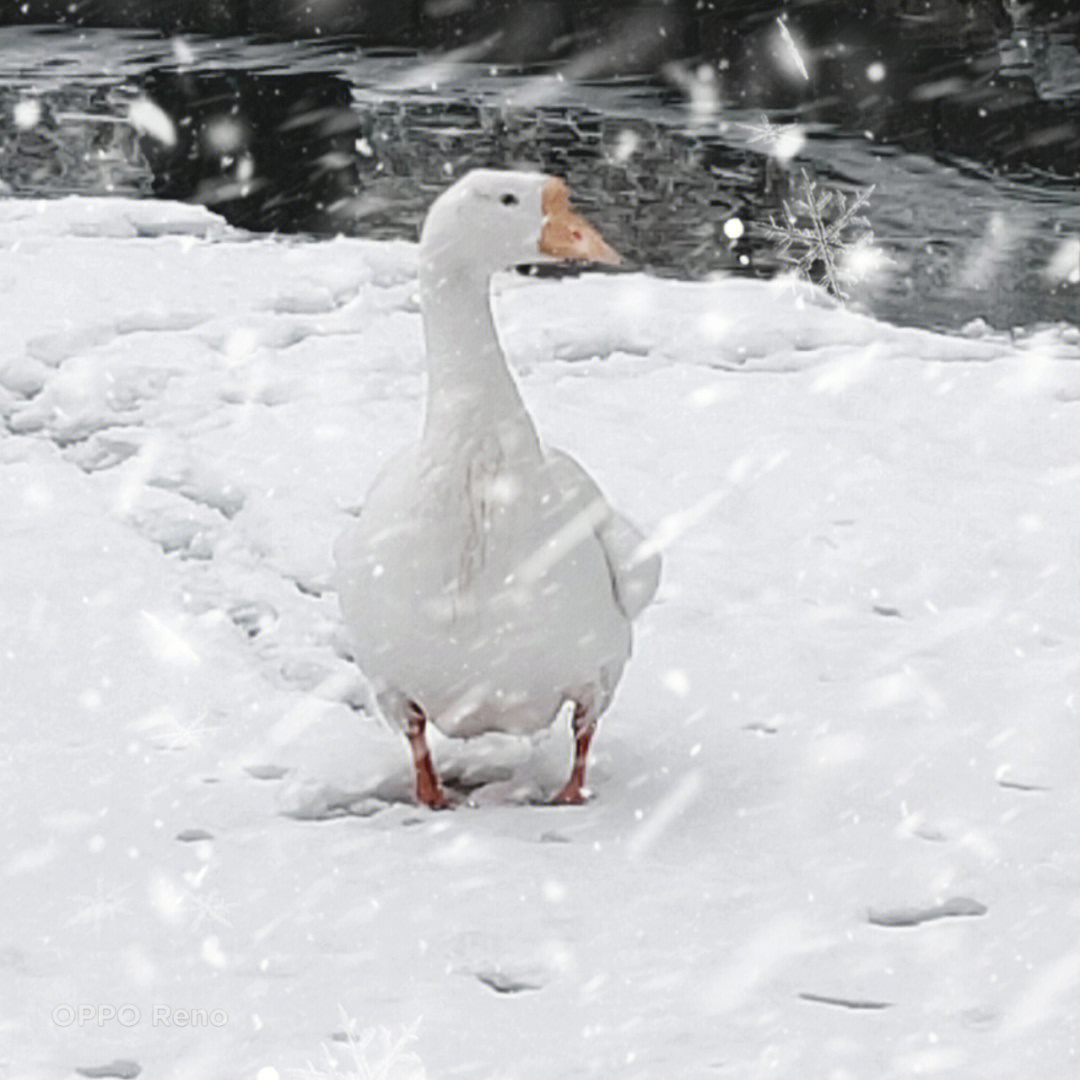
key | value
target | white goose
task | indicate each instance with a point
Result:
(486, 581)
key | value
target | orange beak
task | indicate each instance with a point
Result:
(566, 234)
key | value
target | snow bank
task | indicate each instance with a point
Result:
(834, 830)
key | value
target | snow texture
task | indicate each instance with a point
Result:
(837, 799)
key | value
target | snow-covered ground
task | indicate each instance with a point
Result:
(836, 823)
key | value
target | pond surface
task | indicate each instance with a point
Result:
(974, 212)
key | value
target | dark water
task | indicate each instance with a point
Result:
(974, 163)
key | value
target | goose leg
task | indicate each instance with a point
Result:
(584, 727)
(428, 789)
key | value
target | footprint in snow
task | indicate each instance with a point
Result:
(254, 617)
(1029, 780)
(324, 802)
(308, 586)
(100, 452)
(125, 1070)
(159, 322)
(213, 492)
(312, 298)
(60, 345)
(53, 349)
(189, 539)
(855, 1004)
(306, 674)
(1020, 785)
(243, 341)
(503, 964)
(510, 982)
(266, 772)
(23, 376)
(955, 907)
(192, 836)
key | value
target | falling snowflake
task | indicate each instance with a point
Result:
(816, 231)
(791, 48)
(780, 141)
(104, 906)
(370, 1054)
(1064, 265)
(167, 731)
(27, 113)
(168, 644)
(208, 907)
(149, 118)
(702, 90)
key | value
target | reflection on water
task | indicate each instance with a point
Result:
(321, 138)
(269, 152)
(69, 141)
(662, 194)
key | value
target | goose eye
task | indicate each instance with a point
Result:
(509, 200)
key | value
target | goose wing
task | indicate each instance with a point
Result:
(634, 569)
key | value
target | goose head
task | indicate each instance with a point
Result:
(492, 220)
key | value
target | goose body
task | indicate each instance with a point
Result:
(486, 581)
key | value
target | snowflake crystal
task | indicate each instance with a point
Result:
(780, 141)
(103, 906)
(168, 731)
(370, 1054)
(208, 908)
(814, 234)
(794, 56)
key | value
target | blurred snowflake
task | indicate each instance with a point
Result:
(790, 47)
(370, 1054)
(209, 907)
(779, 141)
(168, 731)
(819, 225)
(105, 905)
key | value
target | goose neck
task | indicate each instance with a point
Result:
(470, 388)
